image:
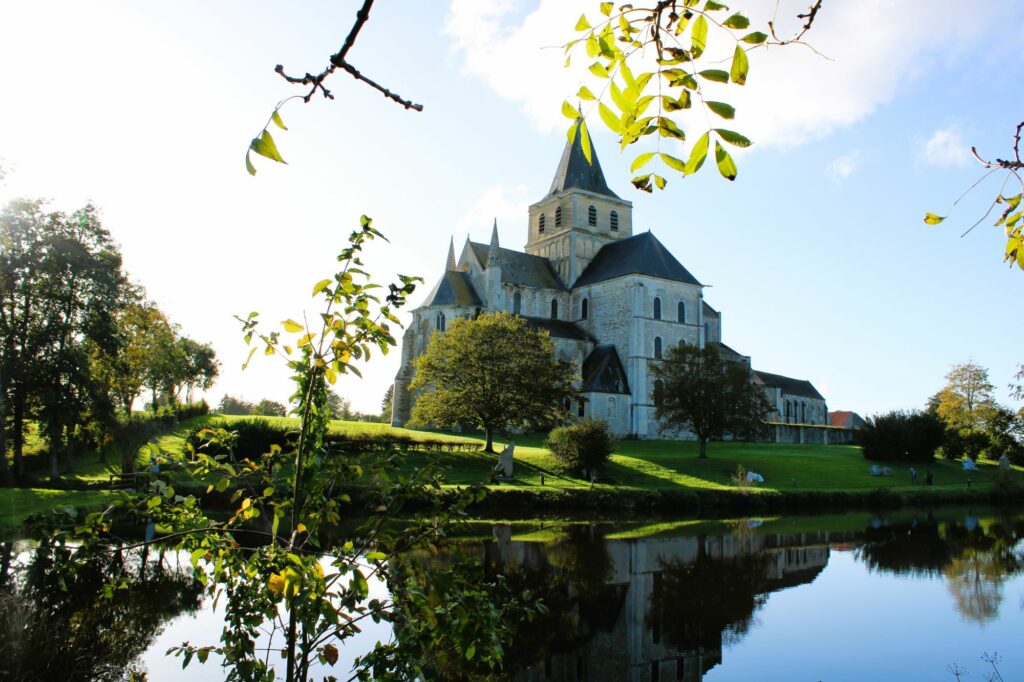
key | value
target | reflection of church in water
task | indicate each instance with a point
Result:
(655, 609)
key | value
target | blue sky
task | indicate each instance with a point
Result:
(817, 255)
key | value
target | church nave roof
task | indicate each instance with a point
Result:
(455, 288)
(522, 268)
(640, 254)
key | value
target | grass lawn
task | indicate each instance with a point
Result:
(17, 504)
(660, 464)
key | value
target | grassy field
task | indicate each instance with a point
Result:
(637, 466)
(661, 465)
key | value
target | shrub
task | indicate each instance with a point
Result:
(253, 437)
(583, 445)
(902, 437)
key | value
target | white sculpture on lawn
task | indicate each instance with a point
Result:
(504, 465)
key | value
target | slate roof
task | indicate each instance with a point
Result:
(709, 311)
(603, 372)
(561, 329)
(574, 171)
(800, 387)
(729, 353)
(640, 254)
(522, 268)
(455, 288)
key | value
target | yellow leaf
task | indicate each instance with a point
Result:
(292, 326)
(582, 24)
(932, 219)
(301, 528)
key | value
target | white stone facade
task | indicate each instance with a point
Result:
(613, 302)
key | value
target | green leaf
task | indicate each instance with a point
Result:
(586, 94)
(740, 66)
(582, 24)
(264, 146)
(248, 164)
(321, 285)
(470, 652)
(722, 109)
(620, 101)
(571, 133)
(292, 326)
(640, 161)
(606, 8)
(610, 119)
(668, 128)
(698, 154)
(733, 138)
(659, 181)
(726, 166)
(376, 556)
(716, 75)
(673, 163)
(597, 68)
(712, 6)
(755, 38)
(932, 219)
(585, 143)
(246, 363)
(569, 112)
(276, 118)
(699, 36)
(736, 21)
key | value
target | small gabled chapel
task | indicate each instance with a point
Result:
(612, 301)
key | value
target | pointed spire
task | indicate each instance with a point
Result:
(574, 171)
(451, 256)
(494, 254)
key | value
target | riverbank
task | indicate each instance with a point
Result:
(650, 476)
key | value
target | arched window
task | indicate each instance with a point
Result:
(581, 409)
(657, 348)
(558, 217)
(584, 309)
(592, 216)
(707, 332)
(439, 321)
(681, 312)
(611, 407)
(614, 217)
(540, 224)
(554, 309)
(803, 413)
(517, 303)
(657, 308)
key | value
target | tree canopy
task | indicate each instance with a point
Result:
(698, 390)
(966, 401)
(491, 373)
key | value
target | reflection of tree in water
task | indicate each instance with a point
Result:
(975, 558)
(569, 577)
(703, 603)
(59, 625)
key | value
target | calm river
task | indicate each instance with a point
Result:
(905, 596)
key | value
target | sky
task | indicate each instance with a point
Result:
(816, 255)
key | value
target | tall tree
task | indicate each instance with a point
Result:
(23, 226)
(491, 373)
(696, 389)
(966, 401)
(81, 276)
(387, 403)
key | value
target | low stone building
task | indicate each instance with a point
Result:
(612, 300)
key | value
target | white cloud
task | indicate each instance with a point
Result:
(506, 204)
(946, 148)
(873, 46)
(843, 167)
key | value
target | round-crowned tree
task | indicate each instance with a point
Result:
(491, 373)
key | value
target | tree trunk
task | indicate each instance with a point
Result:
(490, 440)
(55, 445)
(154, 399)
(703, 448)
(18, 433)
(5, 468)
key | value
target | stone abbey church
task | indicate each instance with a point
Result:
(612, 301)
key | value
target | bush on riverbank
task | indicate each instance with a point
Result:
(902, 437)
(584, 445)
